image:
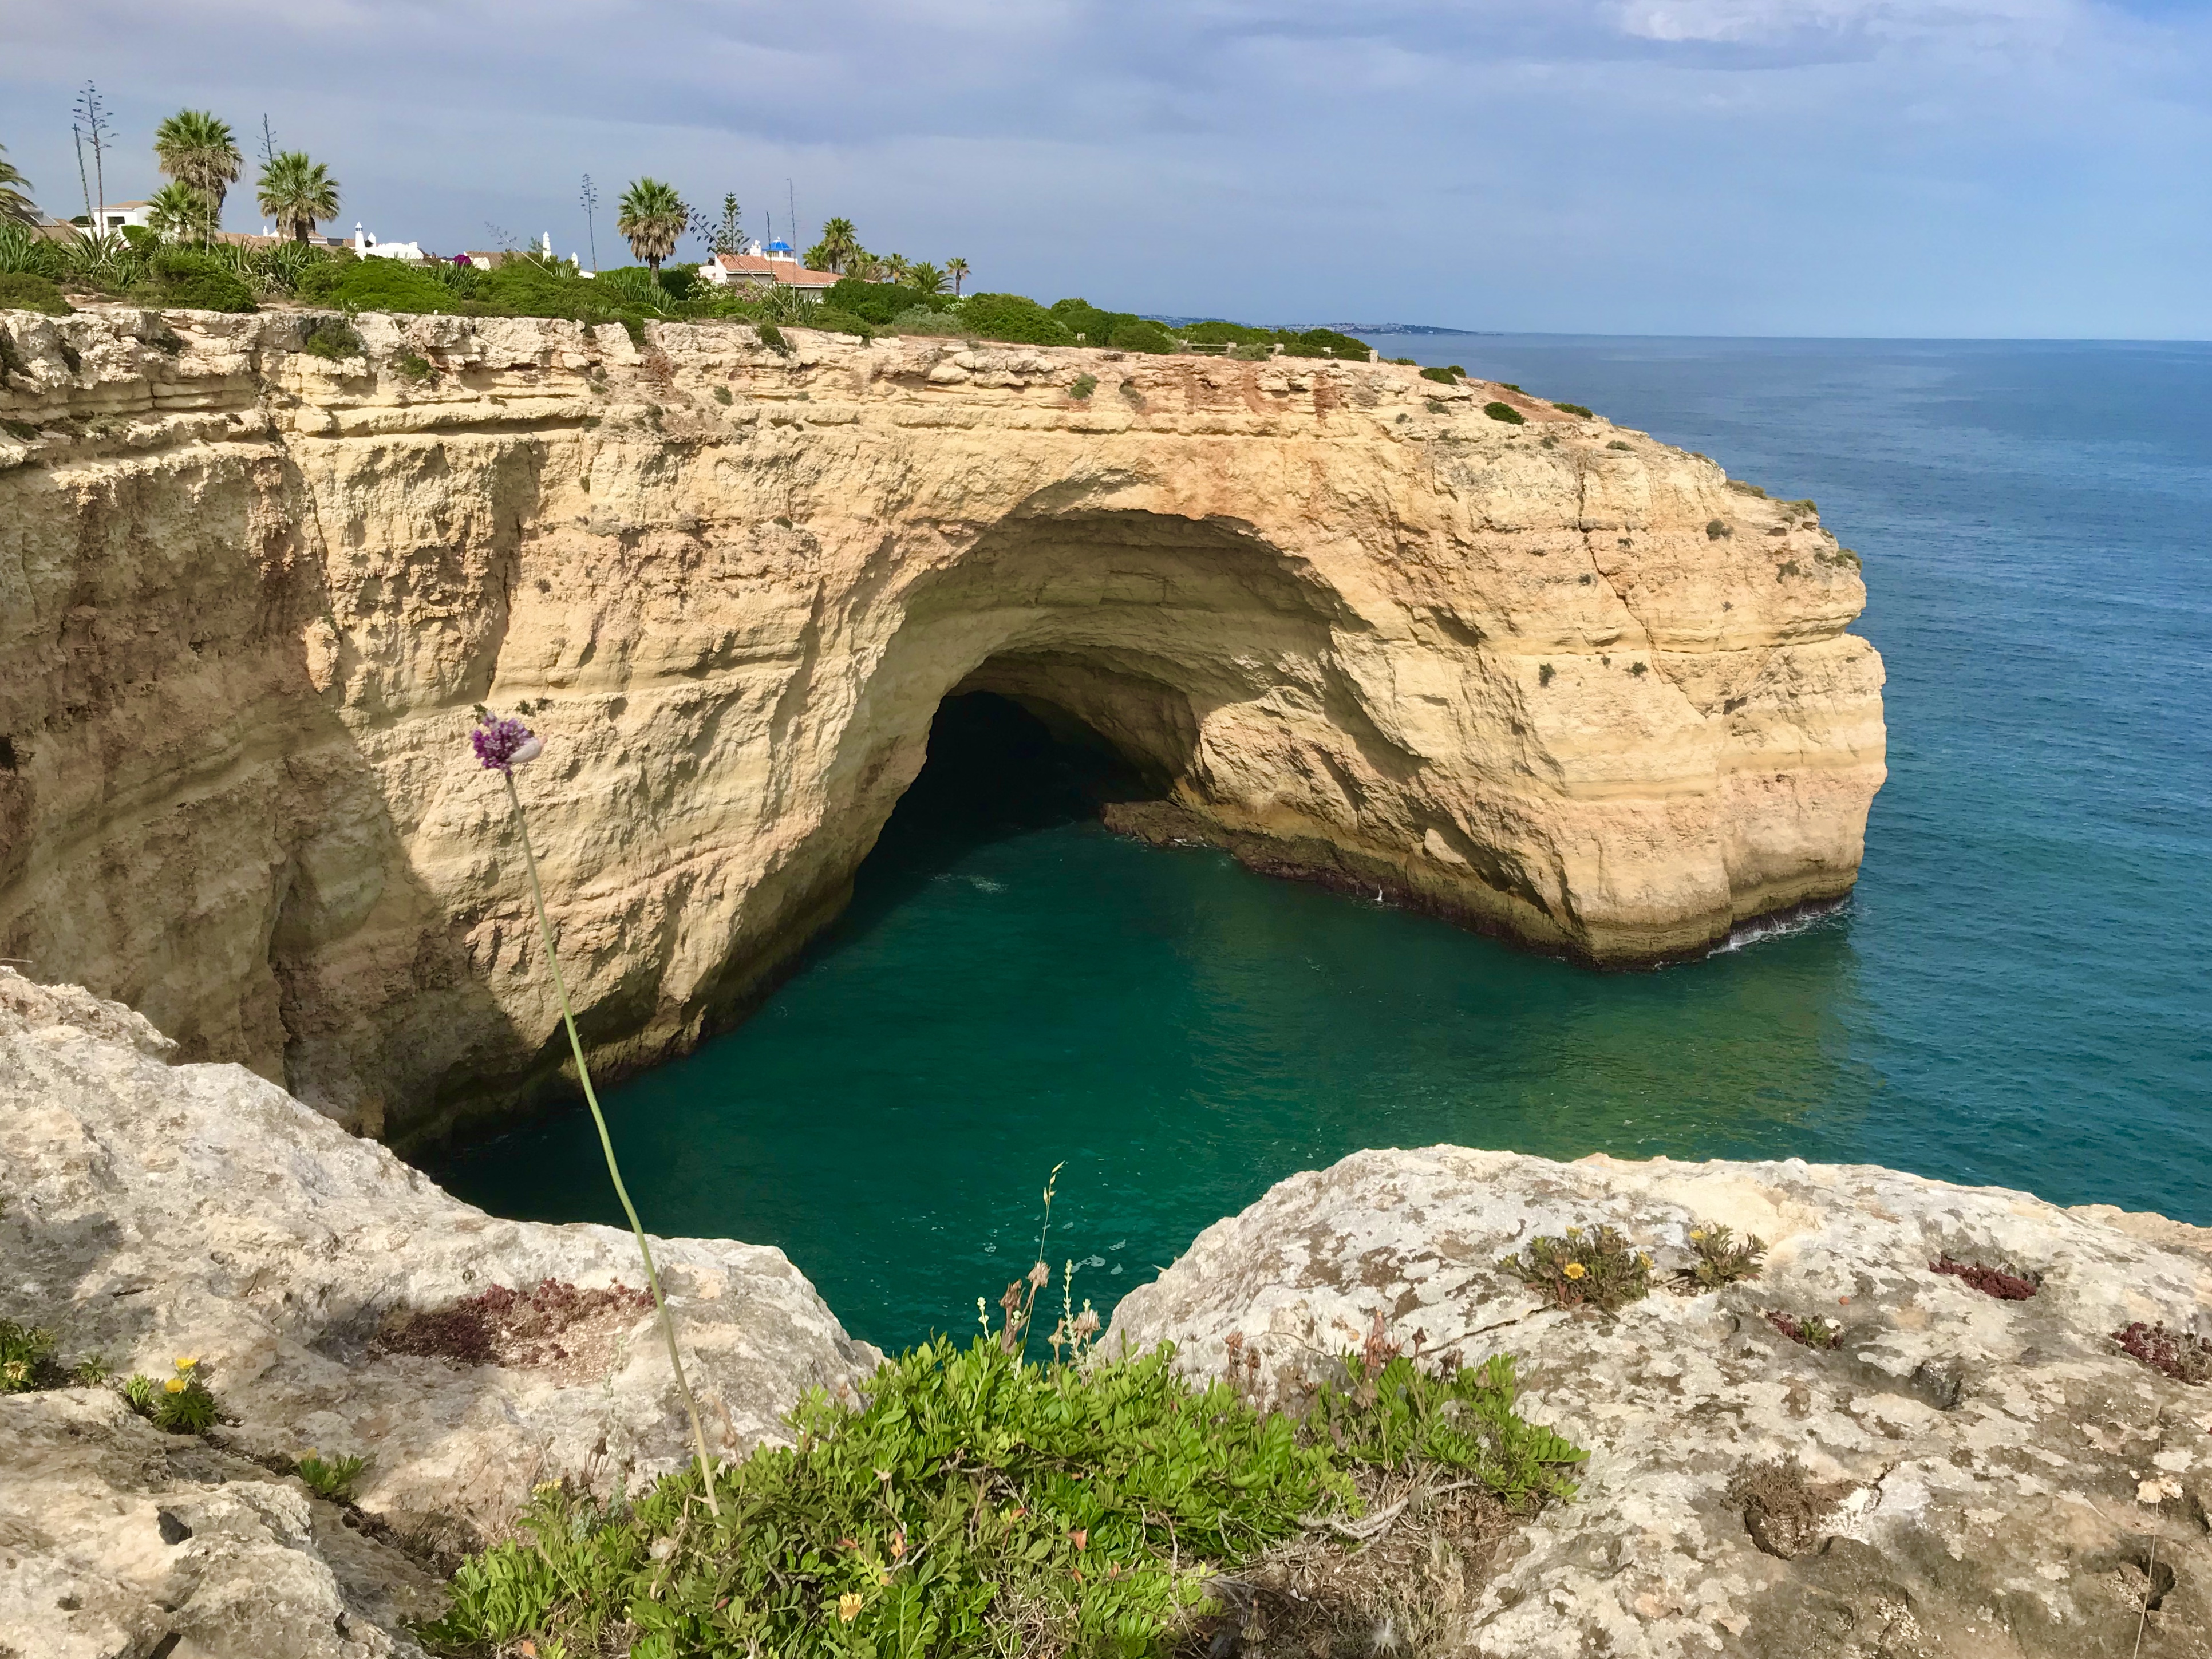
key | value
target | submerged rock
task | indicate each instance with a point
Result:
(154, 1212)
(1960, 1473)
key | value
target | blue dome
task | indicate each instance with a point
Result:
(778, 247)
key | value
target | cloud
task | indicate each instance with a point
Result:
(1791, 166)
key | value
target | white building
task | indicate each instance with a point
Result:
(773, 266)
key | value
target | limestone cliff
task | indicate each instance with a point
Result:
(1556, 678)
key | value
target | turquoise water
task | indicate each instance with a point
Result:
(2017, 993)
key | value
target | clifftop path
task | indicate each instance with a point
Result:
(1553, 678)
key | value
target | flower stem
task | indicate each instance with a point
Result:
(607, 1146)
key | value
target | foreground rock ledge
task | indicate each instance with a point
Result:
(152, 1211)
(1555, 678)
(1979, 1477)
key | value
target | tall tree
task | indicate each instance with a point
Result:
(839, 247)
(958, 270)
(652, 215)
(926, 277)
(178, 213)
(730, 234)
(198, 152)
(296, 192)
(15, 207)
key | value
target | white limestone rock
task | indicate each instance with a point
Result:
(1993, 1474)
(153, 1212)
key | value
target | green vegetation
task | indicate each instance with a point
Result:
(16, 206)
(1720, 1260)
(1717, 528)
(197, 283)
(1619, 443)
(414, 369)
(650, 216)
(178, 213)
(182, 1405)
(1596, 1268)
(977, 1499)
(1544, 671)
(1813, 1332)
(333, 339)
(198, 153)
(1574, 409)
(1442, 376)
(332, 1477)
(296, 192)
(1504, 412)
(1082, 386)
(22, 290)
(27, 1353)
(1742, 488)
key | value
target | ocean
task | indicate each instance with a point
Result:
(2017, 993)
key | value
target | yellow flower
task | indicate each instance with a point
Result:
(174, 1385)
(849, 1606)
(1574, 1270)
(186, 1362)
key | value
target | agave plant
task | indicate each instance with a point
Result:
(296, 192)
(652, 216)
(197, 151)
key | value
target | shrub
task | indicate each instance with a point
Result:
(196, 282)
(1801, 510)
(1743, 489)
(1809, 1332)
(1619, 443)
(414, 369)
(1011, 317)
(971, 1487)
(1717, 528)
(334, 339)
(331, 1478)
(27, 1353)
(1442, 376)
(1574, 409)
(1082, 386)
(182, 1405)
(1504, 412)
(1718, 1258)
(722, 396)
(1217, 332)
(23, 290)
(1327, 343)
(925, 320)
(1251, 351)
(772, 337)
(1598, 1269)
(1544, 671)
(1140, 335)
(1999, 1282)
(2177, 1354)
(875, 302)
(376, 285)
(830, 320)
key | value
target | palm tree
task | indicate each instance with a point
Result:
(926, 277)
(178, 213)
(958, 270)
(15, 208)
(896, 268)
(860, 265)
(839, 247)
(652, 215)
(197, 151)
(296, 192)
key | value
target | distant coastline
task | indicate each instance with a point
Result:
(1341, 328)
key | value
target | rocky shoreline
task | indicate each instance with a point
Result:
(1959, 1475)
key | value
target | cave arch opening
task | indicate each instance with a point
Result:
(999, 763)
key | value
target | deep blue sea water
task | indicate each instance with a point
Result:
(2017, 994)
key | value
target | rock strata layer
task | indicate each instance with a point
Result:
(1960, 1475)
(154, 1211)
(1553, 678)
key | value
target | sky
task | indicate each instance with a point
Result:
(1947, 168)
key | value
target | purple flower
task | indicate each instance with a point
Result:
(502, 744)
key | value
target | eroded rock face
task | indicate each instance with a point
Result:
(1959, 1476)
(1556, 678)
(153, 1212)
